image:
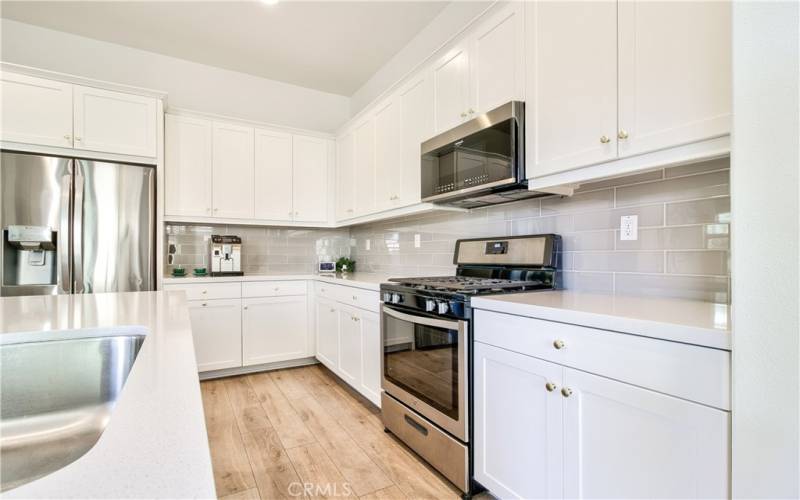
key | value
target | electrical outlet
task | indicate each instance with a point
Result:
(629, 227)
(417, 241)
(367, 245)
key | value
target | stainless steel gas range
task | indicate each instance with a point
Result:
(426, 333)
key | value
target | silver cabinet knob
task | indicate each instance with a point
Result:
(559, 344)
(550, 386)
(68, 137)
(566, 392)
(276, 288)
(463, 115)
(604, 139)
(622, 134)
(204, 304)
(205, 292)
(78, 138)
(245, 308)
(471, 111)
(333, 310)
(208, 210)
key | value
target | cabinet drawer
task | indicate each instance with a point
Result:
(205, 291)
(273, 288)
(356, 297)
(691, 372)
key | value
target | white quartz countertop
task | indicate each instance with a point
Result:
(155, 444)
(369, 281)
(692, 322)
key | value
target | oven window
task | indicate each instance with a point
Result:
(481, 158)
(423, 360)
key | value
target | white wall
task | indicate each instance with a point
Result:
(450, 21)
(765, 250)
(190, 85)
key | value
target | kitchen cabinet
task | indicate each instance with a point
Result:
(327, 315)
(113, 122)
(36, 110)
(674, 73)
(416, 125)
(233, 171)
(273, 175)
(552, 428)
(622, 441)
(274, 329)
(388, 160)
(451, 88)
(364, 173)
(310, 178)
(216, 330)
(371, 354)
(187, 154)
(350, 346)
(518, 424)
(571, 94)
(345, 176)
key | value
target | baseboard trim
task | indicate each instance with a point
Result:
(243, 370)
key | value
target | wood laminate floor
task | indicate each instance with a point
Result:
(300, 432)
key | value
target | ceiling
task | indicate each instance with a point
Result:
(333, 46)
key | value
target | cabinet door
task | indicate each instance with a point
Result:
(518, 424)
(35, 110)
(273, 175)
(674, 73)
(345, 176)
(364, 191)
(571, 85)
(113, 122)
(497, 62)
(233, 171)
(217, 333)
(310, 185)
(350, 346)
(328, 333)
(416, 124)
(371, 353)
(274, 329)
(622, 441)
(187, 171)
(451, 88)
(388, 172)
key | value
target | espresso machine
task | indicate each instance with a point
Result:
(226, 255)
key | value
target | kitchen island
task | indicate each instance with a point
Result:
(155, 444)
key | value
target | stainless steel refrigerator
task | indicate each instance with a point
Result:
(75, 226)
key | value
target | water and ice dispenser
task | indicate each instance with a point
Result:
(29, 256)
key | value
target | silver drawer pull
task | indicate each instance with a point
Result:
(205, 292)
(559, 344)
(355, 298)
(566, 392)
(416, 425)
(550, 386)
(204, 304)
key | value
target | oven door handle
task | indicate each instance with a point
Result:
(423, 320)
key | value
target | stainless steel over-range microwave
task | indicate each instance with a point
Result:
(480, 162)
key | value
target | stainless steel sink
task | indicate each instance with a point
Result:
(56, 399)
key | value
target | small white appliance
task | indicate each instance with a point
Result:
(226, 255)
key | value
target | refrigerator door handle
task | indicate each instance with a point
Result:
(77, 232)
(65, 285)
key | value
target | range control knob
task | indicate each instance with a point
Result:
(442, 308)
(430, 305)
(396, 298)
(387, 297)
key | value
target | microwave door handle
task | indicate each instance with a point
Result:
(422, 320)
(63, 232)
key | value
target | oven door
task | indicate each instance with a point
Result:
(424, 365)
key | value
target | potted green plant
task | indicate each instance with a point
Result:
(345, 265)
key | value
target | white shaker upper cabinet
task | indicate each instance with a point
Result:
(273, 175)
(622, 441)
(310, 184)
(571, 85)
(113, 122)
(416, 122)
(233, 171)
(451, 88)
(518, 424)
(35, 110)
(364, 190)
(389, 174)
(497, 61)
(674, 73)
(187, 153)
(345, 176)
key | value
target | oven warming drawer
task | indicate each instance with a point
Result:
(445, 453)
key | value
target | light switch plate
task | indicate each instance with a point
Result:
(629, 227)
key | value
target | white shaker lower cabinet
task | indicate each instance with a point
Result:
(622, 441)
(349, 346)
(543, 429)
(518, 424)
(327, 333)
(371, 353)
(274, 329)
(216, 330)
